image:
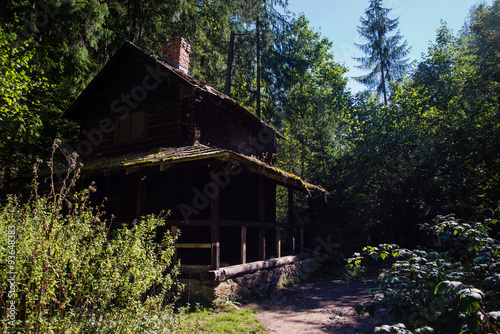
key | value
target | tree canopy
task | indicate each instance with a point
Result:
(388, 166)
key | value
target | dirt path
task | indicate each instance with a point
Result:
(320, 306)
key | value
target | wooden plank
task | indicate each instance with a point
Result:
(192, 245)
(225, 222)
(243, 244)
(137, 126)
(194, 222)
(195, 267)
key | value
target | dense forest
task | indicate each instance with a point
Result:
(422, 140)
(432, 148)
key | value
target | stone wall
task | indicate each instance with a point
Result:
(261, 282)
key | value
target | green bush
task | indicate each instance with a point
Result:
(62, 270)
(451, 290)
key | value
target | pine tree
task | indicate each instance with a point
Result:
(385, 55)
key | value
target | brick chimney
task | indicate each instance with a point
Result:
(176, 53)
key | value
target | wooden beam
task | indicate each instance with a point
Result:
(194, 267)
(291, 220)
(132, 170)
(243, 244)
(225, 222)
(173, 232)
(262, 218)
(194, 222)
(141, 195)
(278, 242)
(262, 243)
(301, 233)
(215, 224)
(164, 167)
(242, 269)
(193, 245)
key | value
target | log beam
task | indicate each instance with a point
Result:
(243, 269)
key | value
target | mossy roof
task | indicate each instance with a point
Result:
(166, 157)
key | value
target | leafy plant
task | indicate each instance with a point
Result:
(227, 303)
(453, 290)
(64, 270)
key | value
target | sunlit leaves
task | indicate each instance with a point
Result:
(452, 289)
(19, 122)
(73, 272)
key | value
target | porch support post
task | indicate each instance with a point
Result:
(243, 244)
(173, 232)
(262, 218)
(291, 221)
(301, 240)
(278, 242)
(215, 223)
(141, 194)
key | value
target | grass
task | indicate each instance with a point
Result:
(232, 322)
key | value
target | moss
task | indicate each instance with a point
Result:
(198, 152)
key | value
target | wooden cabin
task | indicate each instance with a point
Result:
(155, 139)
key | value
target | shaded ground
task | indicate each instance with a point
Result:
(320, 306)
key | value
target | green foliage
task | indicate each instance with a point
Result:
(453, 290)
(69, 273)
(227, 303)
(232, 322)
(20, 122)
(309, 92)
(433, 150)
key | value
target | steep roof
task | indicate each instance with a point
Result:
(75, 110)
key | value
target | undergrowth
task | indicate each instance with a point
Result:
(451, 289)
(62, 270)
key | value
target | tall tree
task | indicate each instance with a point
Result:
(385, 55)
(257, 23)
(306, 95)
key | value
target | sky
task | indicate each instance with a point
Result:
(418, 21)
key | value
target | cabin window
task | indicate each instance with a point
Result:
(131, 127)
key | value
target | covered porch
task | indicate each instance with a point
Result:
(223, 204)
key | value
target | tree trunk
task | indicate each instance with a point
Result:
(258, 67)
(230, 59)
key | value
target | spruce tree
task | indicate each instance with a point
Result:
(385, 55)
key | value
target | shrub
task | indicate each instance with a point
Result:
(452, 290)
(62, 270)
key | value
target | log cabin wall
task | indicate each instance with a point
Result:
(223, 125)
(139, 131)
(135, 107)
